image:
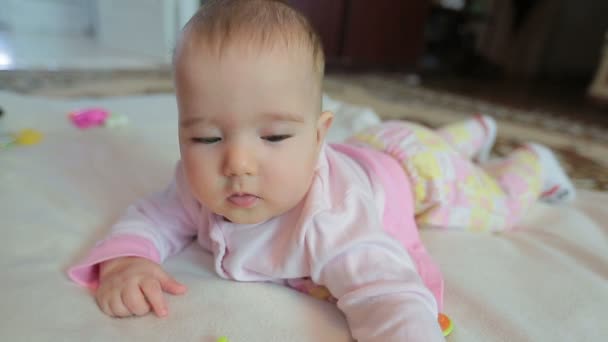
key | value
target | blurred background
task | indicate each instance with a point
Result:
(540, 67)
(531, 54)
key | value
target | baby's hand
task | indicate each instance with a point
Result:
(133, 286)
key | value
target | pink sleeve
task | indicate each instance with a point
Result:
(398, 220)
(169, 219)
(155, 228)
(371, 274)
(86, 272)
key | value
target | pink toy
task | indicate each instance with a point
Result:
(90, 117)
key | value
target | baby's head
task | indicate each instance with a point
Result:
(248, 79)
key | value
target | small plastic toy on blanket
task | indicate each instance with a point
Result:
(94, 117)
(90, 117)
(23, 137)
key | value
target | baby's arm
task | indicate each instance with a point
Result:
(374, 279)
(151, 230)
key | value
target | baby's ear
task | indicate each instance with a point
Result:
(323, 123)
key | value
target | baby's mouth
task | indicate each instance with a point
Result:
(243, 200)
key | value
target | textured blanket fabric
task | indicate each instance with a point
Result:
(546, 281)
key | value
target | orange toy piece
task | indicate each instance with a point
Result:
(446, 324)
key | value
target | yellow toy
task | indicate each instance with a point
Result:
(28, 137)
(24, 137)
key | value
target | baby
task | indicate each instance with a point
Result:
(258, 188)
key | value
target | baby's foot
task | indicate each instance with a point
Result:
(489, 126)
(557, 187)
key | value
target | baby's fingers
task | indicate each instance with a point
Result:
(134, 300)
(169, 284)
(154, 294)
(104, 305)
(110, 302)
(118, 308)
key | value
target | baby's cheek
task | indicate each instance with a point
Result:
(199, 174)
(296, 174)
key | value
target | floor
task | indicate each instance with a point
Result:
(27, 51)
(565, 98)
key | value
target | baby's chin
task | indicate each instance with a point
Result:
(247, 216)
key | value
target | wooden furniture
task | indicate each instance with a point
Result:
(363, 33)
(599, 87)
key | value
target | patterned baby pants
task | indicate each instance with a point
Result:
(450, 190)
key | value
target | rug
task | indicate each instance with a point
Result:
(582, 148)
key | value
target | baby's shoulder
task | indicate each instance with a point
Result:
(341, 174)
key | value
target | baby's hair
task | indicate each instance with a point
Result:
(261, 22)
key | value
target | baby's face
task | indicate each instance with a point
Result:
(250, 129)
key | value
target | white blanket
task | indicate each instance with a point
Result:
(546, 281)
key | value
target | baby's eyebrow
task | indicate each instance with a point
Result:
(191, 122)
(282, 116)
(270, 116)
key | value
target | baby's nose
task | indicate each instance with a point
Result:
(239, 161)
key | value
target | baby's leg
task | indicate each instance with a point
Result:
(473, 138)
(450, 191)
(519, 176)
(482, 199)
(495, 197)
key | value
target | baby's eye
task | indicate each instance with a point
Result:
(211, 140)
(276, 138)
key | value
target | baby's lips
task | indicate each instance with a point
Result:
(243, 200)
